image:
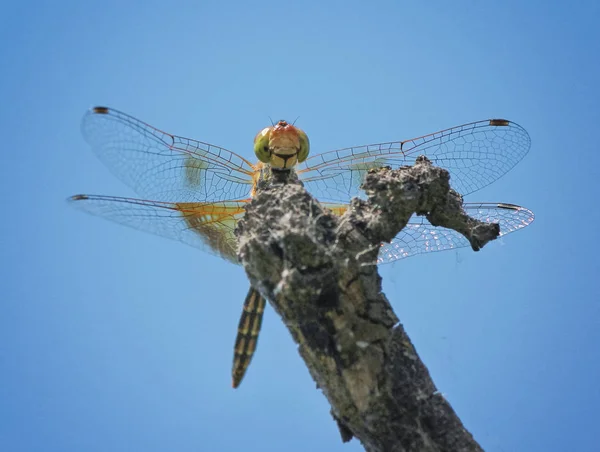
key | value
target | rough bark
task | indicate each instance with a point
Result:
(319, 272)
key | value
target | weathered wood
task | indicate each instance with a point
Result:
(319, 272)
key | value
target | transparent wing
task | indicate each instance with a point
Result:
(208, 226)
(420, 237)
(475, 154)
(166, 167)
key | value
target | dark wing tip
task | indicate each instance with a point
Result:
(78, 198)
(507, 206)
(100, 110)
(516, 208)
(499, 122)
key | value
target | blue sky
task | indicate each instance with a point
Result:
(112, 339)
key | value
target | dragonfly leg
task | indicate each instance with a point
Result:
(247, 337)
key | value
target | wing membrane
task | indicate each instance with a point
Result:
(208, 226)
(419, 236)
(163, 166)
(475, 154)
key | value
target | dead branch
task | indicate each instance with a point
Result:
(318, 271)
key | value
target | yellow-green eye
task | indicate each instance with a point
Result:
(304, 145)
(261, 145)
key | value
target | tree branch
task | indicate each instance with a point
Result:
(318, 270)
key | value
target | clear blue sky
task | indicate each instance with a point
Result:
(115, 340)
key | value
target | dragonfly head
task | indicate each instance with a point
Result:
(282, 145)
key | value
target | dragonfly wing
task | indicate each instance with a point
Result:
(208, 226)
(419, 236)
(475, 154)
(163, 166)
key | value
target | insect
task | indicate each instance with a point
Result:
(195, 192)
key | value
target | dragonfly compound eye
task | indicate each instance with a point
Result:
(304, 145)
(261, 145)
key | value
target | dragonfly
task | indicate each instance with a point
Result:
(196, 192)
